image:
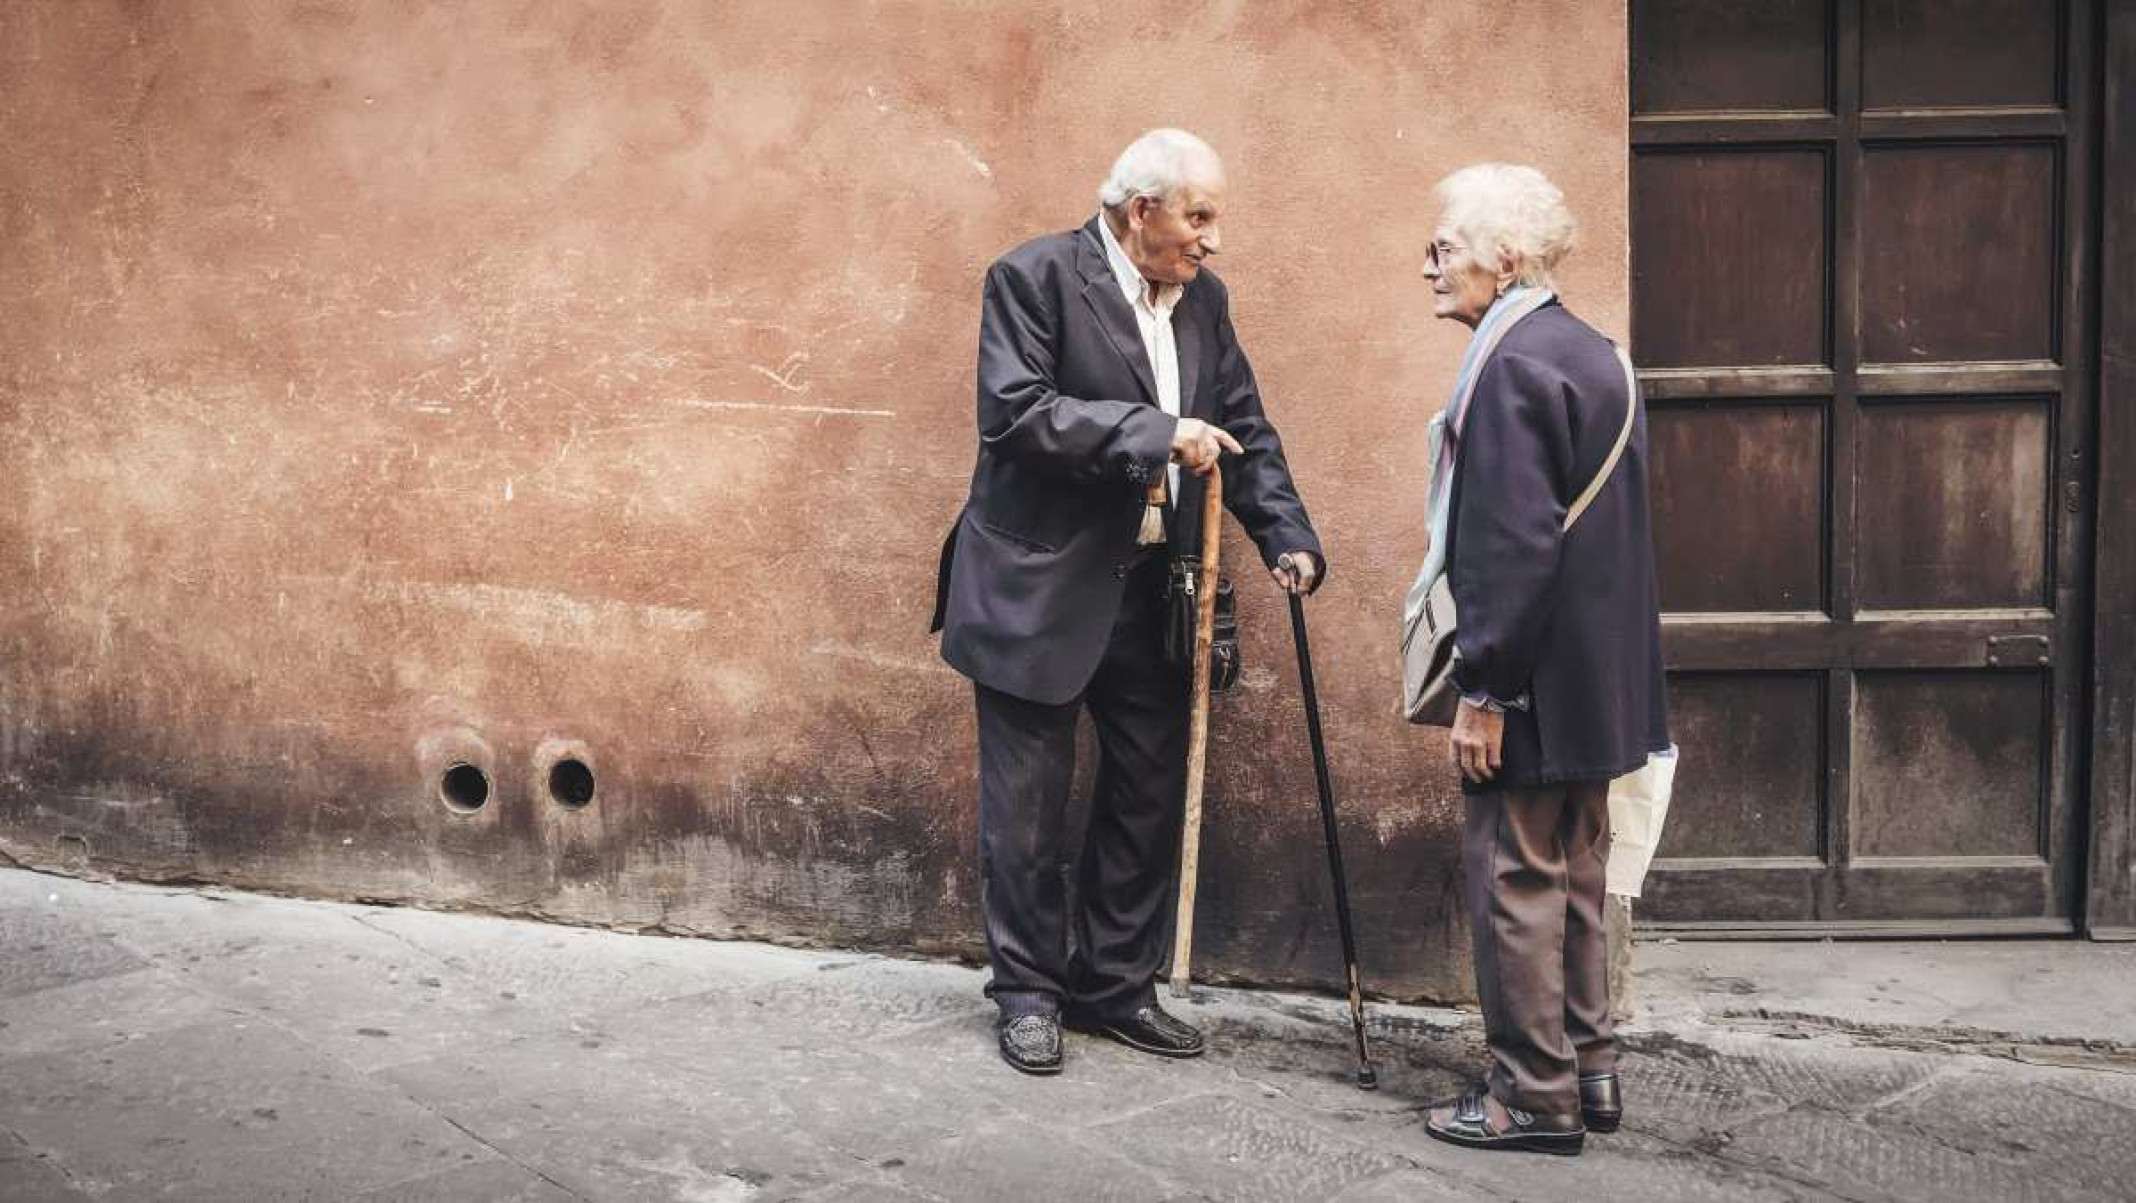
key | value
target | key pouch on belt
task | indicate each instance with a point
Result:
(1181, 589)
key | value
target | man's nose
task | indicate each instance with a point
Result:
(1212, 240)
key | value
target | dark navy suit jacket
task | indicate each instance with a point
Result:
(1570, 619)
(1070, 436)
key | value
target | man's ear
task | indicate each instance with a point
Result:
(1138, 211)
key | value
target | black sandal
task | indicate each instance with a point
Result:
(1470, 1127)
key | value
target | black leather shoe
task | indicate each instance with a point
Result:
(1150, 1029)
(1531, 1132)
(1031, 1043)
(1601, 1102)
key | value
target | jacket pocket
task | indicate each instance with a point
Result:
(1022, 540)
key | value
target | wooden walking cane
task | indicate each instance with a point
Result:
(1198, 725)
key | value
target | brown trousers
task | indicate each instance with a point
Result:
(1533, 860)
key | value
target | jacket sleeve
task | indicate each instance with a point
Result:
(1258, 489)
(1516, 446)
(1023, 417)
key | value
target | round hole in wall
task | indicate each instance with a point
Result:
(464, 787)
(571, 782)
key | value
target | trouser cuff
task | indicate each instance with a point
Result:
(1017, 1003)
(1549, 1104)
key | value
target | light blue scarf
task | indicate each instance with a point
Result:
(1444, 434)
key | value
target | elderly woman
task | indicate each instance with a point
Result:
(1558, 650)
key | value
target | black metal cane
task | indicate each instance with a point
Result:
(1367, 1077)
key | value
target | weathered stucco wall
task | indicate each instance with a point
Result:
(391, 385)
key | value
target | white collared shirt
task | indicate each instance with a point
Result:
(1153, 316)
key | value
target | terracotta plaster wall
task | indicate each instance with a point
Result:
(387, 385)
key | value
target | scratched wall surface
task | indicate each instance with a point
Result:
(390, 386)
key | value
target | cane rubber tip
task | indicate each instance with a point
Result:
(1367, 1078)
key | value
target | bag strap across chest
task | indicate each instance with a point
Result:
(1624, 435)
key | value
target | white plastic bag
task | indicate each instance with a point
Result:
(1638, 805)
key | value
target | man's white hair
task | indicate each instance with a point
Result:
(1158, 164)
(1510, 211)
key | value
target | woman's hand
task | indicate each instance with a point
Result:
(1476, 739)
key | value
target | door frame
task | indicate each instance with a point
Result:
(2110, 896)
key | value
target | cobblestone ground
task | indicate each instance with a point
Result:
(184, 1045)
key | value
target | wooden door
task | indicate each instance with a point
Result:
(1861, 246)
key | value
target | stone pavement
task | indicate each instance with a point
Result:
(179, 1044)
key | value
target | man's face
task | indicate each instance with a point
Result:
(1168, 239)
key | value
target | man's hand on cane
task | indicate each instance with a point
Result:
(1296, 572)
(1196, 445)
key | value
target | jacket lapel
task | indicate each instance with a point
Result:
(1186, 335)
(1101, 291)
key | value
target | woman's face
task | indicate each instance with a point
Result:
(1461, 287)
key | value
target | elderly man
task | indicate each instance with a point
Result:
(1107, 364)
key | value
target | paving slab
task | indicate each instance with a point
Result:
(1688, 1098)
(2046, 990)
(232, 1110)
(48, 946)
(1623, 1165)
(359, 994)
(573, 969)
(103, 1010)
(677, 1121)
(1224, 1147)
(2033, 1121)
(1048, 1167)
(861, 997)
(880, 1186)
(1835, 1075)
(28, 1176)
(491, 1180)
(313, 969)
(2117, 1088)
(1410, 1186)
(1848, 1157)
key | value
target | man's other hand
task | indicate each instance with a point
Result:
(1296, 572)
(1196, 445)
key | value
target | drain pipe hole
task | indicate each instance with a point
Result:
(465, 788)
(571, 782)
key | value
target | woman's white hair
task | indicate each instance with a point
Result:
(1157, 164)
(1504, 210)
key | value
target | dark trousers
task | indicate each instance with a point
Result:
(1533, 860)
(1077, 893)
